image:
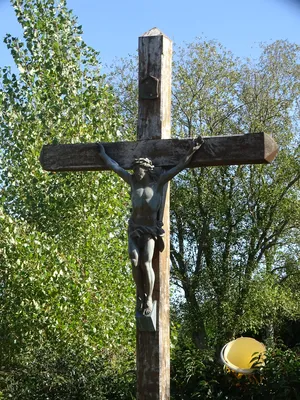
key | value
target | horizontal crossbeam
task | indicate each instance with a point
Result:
(255, 148)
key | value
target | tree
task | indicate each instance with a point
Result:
(240, 218)
(64, 281)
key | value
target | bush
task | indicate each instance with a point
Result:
(68, 376)
(196, 375)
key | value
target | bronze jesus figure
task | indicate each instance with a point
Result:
(144, 227)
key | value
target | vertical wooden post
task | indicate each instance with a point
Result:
(154, 122)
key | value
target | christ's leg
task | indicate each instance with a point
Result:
(136, 273)
(146, 256)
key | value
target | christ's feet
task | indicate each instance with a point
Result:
(148, 307)
(139, 304)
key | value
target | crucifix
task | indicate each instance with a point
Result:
(155, 148)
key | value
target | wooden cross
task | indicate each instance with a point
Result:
(153, 133)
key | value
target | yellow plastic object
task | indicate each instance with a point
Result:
(238, 353)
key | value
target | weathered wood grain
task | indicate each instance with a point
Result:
(154, 122)
(256, 148)
(155, 59)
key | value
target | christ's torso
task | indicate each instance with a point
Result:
(146, 201)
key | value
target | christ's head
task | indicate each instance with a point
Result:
(141, 166)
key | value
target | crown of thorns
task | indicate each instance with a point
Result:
(143, 162)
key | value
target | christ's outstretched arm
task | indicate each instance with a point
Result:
(167, 176)
(113, 165)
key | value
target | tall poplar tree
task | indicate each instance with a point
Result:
(65, 285)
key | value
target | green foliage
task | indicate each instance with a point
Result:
(67, 375)
(123, 77)
(196, 375)
(64, 279)
(67, 327)
(236, 229)
(280, 375)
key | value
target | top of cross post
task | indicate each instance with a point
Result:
(154, 32)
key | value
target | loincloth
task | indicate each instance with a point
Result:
(136, 232)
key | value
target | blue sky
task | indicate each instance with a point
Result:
(112, 27)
